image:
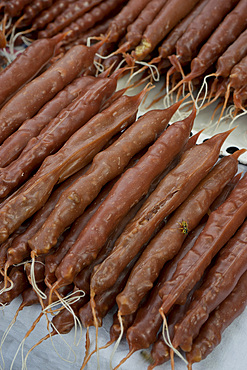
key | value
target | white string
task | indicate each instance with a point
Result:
(26, 40)
(69, 299)
(5, 334)
(26, 262)
(11, 43)
(192, 96)
(200, 91)
(8, 24)
(71, 349)
(167, 97)
(20, 345)
(39, 292)
(5, 289)
(120, 64)
(228, 115)
(76, 320)
(3, 339)
(89, 42)
(12, 54)
(167, 340)
(118, 340)
(153, 68)
(99, 67)
(238, 116)
(105, 57)
(133, 75)
(6, 55)
(2, 306)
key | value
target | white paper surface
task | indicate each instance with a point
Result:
(231, 354)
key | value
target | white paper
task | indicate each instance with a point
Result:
(231, 354)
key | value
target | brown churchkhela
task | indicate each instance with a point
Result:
(72, 12)
(90, 18)
(136, 29)
(53, 259)
(240, 96)
(19, 249)
(97, 30)
(14, 144)
(57, 132)
(82, 280)
(49, 14)
(125, 17)
(9, 242)
(106, 165)
(233, 54)
(25, 103)
(142, 333)
(166, 244)
(19, 280)
(74, 199)
(169, 194)
(224, 35)
(238, 76)
(218, 284)
(210, 16)
(69, 159)
(169, 17)
(50, 177)
(168, 46)
(14, 7)
(160, 351)
(33, 9)
(221, 225)
(210, 334)
(160, 154)
(26, 66)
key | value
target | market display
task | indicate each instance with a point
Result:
(106, 213)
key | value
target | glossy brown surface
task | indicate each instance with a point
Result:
(104, 168)
(13, 145)
(219, 320)
(72, 12)
(57, 132)
(218, 284)
(51, 13)
(26, 66)
(168, 195)
(167, 243)
(89, 245)
(168, 18)
(20, 283)
(210, 17)
(27, 101)
(233, 54)
(168, 46)
(225, 34)
(89, 19)
(221, 225)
